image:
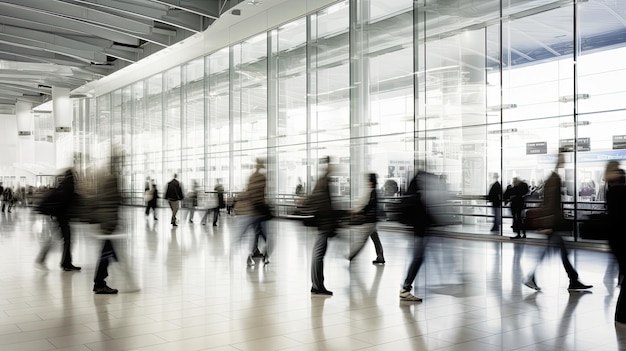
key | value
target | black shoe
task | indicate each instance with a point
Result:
(174, 225)
(70, 268)
(321, 292)
(517, 237)
(156, 219)
(576, 285)
(104, 290)
(215, 224)
(379, 261)
(495, 229)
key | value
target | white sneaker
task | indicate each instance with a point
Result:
(406, 295)
(250, 261)
(531, 284)
(266, 260)
(41, 267)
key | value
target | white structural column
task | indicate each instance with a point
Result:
(25, 132)
(63, 136)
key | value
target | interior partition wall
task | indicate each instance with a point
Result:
(461, 89)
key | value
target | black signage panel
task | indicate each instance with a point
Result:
(619, 142)
(536, 148)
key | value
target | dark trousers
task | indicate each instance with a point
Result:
(419, 246)
(64, 231)
(518, 220)
(102, 272)
(151, 206)
(617, 246)
(555, 239)
(64, 225)
(317, 260)
(258, 233)
(216, 215)
(497, 216)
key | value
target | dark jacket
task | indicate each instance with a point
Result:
(220, 196)
(516, 195)
(174, 191)
(155, 196)
(495, 194)
(321, 203)
(552, 201)
(109, 200)
(370, 211)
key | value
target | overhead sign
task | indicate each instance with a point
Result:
(63, 129)
(619, 142)
(24, 133)
(567, 145)
(536, 148)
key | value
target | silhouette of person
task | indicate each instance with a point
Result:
(495, 197)
(515, 195)
(109, 200)
(60, 203)
(174, 194)
(370, 213)
(254, 212)
(616, 208)
(152, 201)
(420, 221)
(320, 202)
(551, 204)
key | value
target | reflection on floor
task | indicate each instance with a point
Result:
(196, 293)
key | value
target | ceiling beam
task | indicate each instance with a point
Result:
(205, 8)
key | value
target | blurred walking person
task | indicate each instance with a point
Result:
(553, 224)
(255, 212)
(616, 209)
(60, 203)
(151, 201)
(108, 201)
(516, 196)
(369, 215)
(219, 190)
(192, 200)
(174, 194)
(321, 205)
(495, 197)
(416, 215)
(7, 199)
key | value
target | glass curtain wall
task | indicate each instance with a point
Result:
(461, 89)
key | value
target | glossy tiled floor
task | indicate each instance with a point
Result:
(196, 293)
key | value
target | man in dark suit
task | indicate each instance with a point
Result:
(174, 194)
(495, 197)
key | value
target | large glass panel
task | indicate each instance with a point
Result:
(126, 147)
(218, 119)
(139, 150)
(153, 141)
(291, 129)
(172, 125)
(383, 131)
(103, 130)
(193, 124)
(329, 80)
(249, 109)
